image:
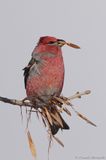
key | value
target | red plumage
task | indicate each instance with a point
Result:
(44, 75)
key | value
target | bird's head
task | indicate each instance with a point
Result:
(52, 41)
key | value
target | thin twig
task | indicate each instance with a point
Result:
(79, 94)
(29, 104)
(16, 102)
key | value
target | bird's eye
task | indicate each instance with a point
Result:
(51, 42)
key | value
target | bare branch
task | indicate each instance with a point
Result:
(16, 102)
(29, 104)
(79, 94)
(48, 116)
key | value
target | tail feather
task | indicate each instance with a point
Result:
(65, 125)
(56, 126)
(54, 129)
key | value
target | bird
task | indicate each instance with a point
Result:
(44, 76)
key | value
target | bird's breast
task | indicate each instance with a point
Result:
(50, 77)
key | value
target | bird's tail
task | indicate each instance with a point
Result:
(56, 125)
(57, 122)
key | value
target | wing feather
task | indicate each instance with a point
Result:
(27, 70)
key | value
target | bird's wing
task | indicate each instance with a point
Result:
(35, 62)
(32, 63)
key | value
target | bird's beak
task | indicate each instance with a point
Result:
(62, 43)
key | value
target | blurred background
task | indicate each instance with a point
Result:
(80, 22)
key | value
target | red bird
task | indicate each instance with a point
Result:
(44, 75)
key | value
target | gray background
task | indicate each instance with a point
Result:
(80, 21)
